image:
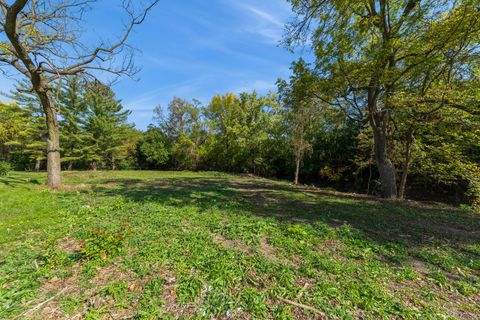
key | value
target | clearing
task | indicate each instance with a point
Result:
(168, 245)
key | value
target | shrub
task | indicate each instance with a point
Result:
(5, 168)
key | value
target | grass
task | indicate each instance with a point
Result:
(169, 245)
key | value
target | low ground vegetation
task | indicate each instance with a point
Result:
(150, 245)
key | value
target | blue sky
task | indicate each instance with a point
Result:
(198, 48)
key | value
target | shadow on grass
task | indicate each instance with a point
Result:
(385, 222)
(11, 181)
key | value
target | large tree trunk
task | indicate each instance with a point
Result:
(41, 88)
(385, 166)
(378, 121)
(406, 164)
(53, 137)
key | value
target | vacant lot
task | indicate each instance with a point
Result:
(166, 245)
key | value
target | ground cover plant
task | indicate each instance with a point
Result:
(197, 245)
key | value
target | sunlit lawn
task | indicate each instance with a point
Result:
(166, 245)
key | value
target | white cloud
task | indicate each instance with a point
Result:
(263, 22)
(264, 15)
(151, 99)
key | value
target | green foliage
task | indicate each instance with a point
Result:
(73, 137)
(154, 148)
(105, 126)
(23, 129)
(5, 168)
(12, 127)
(185, 153)
(301, 109)
(399, 68)
(244, 133)
(92, 123)
(102, 243)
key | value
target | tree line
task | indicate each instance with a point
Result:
(281, 134)
(389, 105)
(93, 127)
(42, 42)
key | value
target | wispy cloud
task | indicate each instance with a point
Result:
(264, 15)
(263, 22)
(150, 99)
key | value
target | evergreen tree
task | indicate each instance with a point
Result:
(72, 109)
(106, 126)
(34, 134)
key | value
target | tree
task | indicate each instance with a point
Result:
(32, 138)
(184, 127)
(222, 114)
(154, 147)
(128, 157)
(12, 125)
(367, 49)
(182, 117)
(239, 129)
(43, 44)
(72, 109)
(21, 136)
(185, 153)
(259, 116)
(301, 109)
(105, 124)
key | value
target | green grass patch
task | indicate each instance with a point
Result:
(201, 245)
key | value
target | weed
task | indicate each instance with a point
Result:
(5, 168)
(102, 243)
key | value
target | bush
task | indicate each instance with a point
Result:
(5, 168)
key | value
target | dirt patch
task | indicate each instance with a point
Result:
(459, 232)
(53, 289)
(232, 244)
(169, 297)
(264, 248)
(257, 198)
(267, 250)
(70, 245)
(418, 266)
(56, 284)
(450, 302)
(47, 307)
(332, 245)
(272, 253)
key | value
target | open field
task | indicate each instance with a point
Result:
(166, 245)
